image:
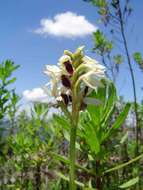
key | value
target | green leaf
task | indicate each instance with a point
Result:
(124, 138)
(11, 81)
(67, 162)
(118, 59)
(102, 44)
(109, 105)
(129, 183)
(91, 138)
(76, 182)
(94, 113)
(67, 179)
(62, 121)
(124, 164)
(138, 57)
(119, 121)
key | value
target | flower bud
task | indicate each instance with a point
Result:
(69, 53)
(79, 51)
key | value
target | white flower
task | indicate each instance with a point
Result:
(52, 70)
(92, 79)
(64, 59)
(55, 73)
(92, 64)
(74, 73)
(88, 65)
(65, 64)
(56, 87)
(90, 73)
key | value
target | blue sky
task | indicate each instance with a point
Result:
(18, 20)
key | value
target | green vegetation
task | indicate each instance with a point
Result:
(94, 142)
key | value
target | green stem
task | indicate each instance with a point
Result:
(72, 157)
(132, 77)
(74, 123)
(98, 176)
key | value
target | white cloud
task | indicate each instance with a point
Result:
(68, 24)
(35, 95)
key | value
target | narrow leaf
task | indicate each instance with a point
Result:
(119, 121)
(124, 164)
(91, 138)
(124, 138)
(129, 183)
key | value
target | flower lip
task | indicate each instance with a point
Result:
(65, 98)
(65, 81)
(68, 67)
(70, 98)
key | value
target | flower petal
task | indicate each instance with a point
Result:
(93, 63)
(92, 79)
(64, 59)
(52, 70)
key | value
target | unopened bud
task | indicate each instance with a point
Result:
(69, 53)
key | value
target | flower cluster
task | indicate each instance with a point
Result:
(75, 75)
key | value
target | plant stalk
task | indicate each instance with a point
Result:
(72, 157)
(72, 152)
(132, 77)
(98, 177)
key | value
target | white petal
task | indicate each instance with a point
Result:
(92, 79)
(59, 98)
(91, 62)
(88, 59)
(52, 70)
(46, 89)
(64, 58)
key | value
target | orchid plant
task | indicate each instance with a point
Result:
(72, 81)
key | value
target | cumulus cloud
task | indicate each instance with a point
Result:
(35, 95)
(68, 25)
